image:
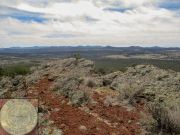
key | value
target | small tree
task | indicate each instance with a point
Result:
(77, 57)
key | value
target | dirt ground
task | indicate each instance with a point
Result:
(96, 119)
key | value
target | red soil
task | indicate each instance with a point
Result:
(102, 120)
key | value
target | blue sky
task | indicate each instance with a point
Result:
(90, 22)
(21, 15)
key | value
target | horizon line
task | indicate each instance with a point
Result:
(103, 46)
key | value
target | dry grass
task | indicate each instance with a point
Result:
(168, 119)
(106, 91)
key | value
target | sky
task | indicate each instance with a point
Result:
(89, 22)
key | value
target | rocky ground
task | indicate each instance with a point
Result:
(75, 100)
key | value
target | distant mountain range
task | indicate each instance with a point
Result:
(88, 51)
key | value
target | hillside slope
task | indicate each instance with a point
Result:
(75, 100)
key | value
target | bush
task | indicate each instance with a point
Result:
(111, 101)
(128, 91)
(100, 71)
(149, 123)
(13, 70)
(91, 83)
(78, 98)
(77, 56)
(167, 118)
(174, 120)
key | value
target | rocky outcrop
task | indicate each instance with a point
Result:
(54, 69)
(108, 79)
(150, 83)
(158, 89)
(12, 87)
(73, 74)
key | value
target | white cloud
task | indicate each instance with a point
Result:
(124, 3)
(86, 22)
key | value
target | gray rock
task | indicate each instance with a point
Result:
(108, 79)
(78, 98)
(148, 82)
(83, 128)
(49, 130)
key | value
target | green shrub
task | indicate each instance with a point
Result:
(12, 70)
(77, 56)
(91, 83)
(100, 71)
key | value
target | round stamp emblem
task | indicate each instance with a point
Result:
(18, 117)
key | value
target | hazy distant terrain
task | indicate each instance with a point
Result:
(109, 58)
(90, 51)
